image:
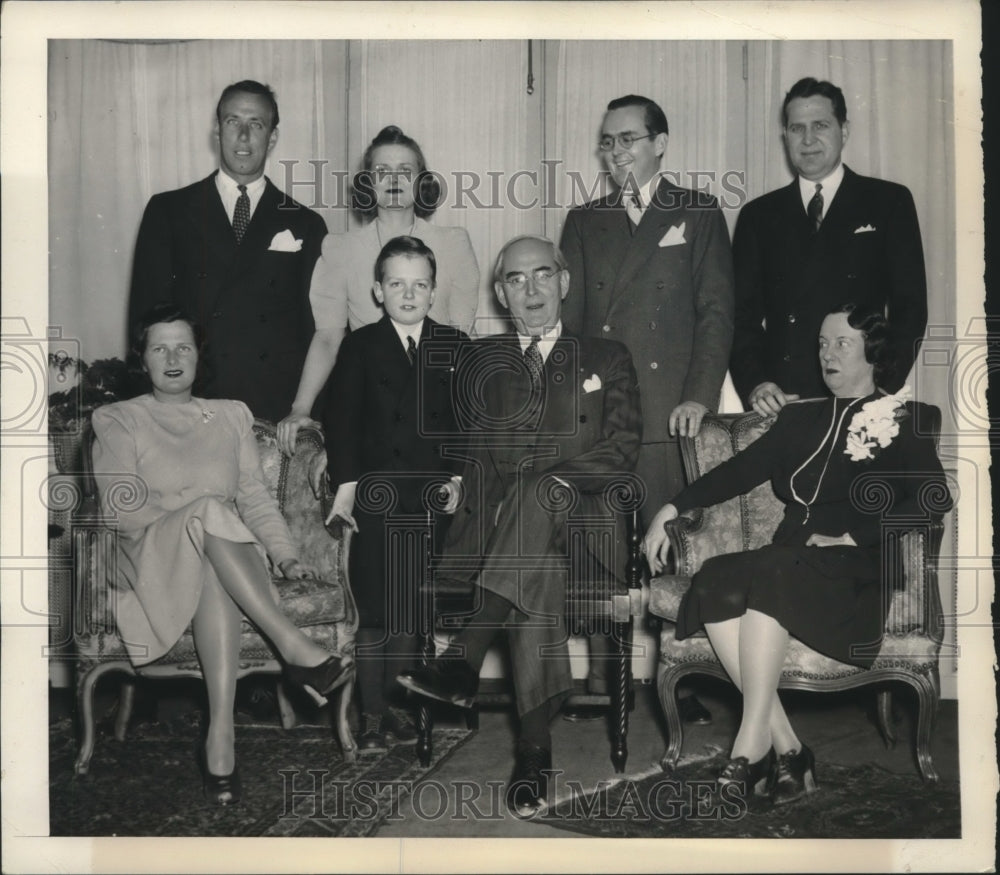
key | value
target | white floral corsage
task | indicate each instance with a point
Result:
(206, 414)
(876, 424)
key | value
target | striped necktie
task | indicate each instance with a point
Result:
(815, 208)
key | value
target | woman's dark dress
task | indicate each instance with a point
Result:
(828, 597)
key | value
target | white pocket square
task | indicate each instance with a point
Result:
(284, 241)
(864, 229)
(592, 384)
(675, 236)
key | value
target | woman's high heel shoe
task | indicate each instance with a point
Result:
(220, 789)
(319, 680)
(743, 779)
(793, 775)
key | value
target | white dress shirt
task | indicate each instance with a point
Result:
(807, 188)
(229, 191)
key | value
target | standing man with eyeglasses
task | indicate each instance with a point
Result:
(651, 266)
(829, 237)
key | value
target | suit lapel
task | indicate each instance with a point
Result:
(560, 386)
(207, 215)
(841, 211)
(656, 221)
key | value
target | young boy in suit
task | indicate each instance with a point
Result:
(389, 407)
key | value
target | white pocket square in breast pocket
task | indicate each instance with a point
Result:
(675, 236)
(591, 384)
(864, 229)
(284, 241)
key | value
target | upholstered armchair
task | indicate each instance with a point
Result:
(323, 607)
(909, 649)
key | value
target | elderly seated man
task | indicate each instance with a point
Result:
(547, 411)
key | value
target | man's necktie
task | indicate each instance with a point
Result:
(533, 360)
(633, 210)
(411, 349)
(241, 215)
(815, 208)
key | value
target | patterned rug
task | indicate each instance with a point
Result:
(295, 783)
(861, 801)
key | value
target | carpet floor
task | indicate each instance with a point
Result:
(856, 801)
(295, 783)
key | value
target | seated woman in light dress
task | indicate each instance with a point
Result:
(820, 579)
(192, 549)
(396, 194)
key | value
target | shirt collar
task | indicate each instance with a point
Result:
(227, 184)
(807, 187)
(546, 340)
(404, 331)
(646, 191)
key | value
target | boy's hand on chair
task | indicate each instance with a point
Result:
(343, 505)
(453, 490)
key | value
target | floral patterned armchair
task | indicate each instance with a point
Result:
(323, 608)
(913, 633)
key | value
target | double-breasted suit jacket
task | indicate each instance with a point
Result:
(385, 423)
(788, 277)
(583, 428)
(251, 298)
(666, 292)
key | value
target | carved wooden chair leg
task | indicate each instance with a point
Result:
(928, 694)
(286, 711)
(666, 686)
(620, 695)
(348, 745)
(126, 702)
(885, 721)
(425, 726)
(472, 718)
(85, 712)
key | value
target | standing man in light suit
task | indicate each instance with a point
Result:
(651, 266)
(828, 237)
(238, 254)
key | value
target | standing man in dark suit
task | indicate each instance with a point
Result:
(238, 254)
(651, 266)
(800, 251)
(550, 412)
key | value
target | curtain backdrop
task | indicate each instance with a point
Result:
(465, 103)
(129, 119)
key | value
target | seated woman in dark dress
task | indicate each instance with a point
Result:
(820, 578)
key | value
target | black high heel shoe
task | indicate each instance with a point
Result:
(792, 776)
(319, 680)
(220, 790)
(743, 779)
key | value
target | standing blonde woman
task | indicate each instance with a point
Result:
(397, 193)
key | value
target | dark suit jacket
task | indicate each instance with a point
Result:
(790, 278)
(385, 422)
(672, 306)
(384, 415)
(587, 435)
(253, 303)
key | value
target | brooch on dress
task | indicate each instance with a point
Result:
(206, 414)
(876, 424)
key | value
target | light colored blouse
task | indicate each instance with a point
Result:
(341, 291)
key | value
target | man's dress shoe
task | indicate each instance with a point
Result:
(448, 680)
